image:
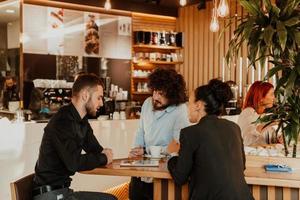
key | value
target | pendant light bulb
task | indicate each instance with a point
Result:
(214, 23)
(182, 2)
(223, 8)
(107, 5)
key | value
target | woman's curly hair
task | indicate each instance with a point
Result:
(170, 83)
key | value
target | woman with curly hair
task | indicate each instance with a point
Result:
(163, 116)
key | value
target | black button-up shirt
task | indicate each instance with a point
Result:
(60, 156)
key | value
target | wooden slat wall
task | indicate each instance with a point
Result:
(204, 53)
(152, 22)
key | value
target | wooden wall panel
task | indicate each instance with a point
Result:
(204, 52)
(153, 22)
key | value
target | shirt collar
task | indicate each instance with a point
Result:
(76, 114)
(160, 113)
(207, 117)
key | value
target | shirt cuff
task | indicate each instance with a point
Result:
(173, 154)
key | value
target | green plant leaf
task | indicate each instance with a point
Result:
(292, 21)
(250, 7)
(282, 34)
(297, 37)
(268, 5)
(273, 71)
(290, 6)
(291, 81)
(276, 10)
(268, 35)
(248, 28)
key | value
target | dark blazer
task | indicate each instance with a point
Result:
(212, 159)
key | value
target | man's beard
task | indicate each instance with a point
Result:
(158, 105)
(89, 109)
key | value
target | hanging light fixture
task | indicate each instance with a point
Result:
(214, 23)
(182, 2)
(107, 5)
(223, 8)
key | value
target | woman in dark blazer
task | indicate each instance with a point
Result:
(211, 155)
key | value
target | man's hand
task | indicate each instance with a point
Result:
(137, 151)
(173, 147)
(109, 154)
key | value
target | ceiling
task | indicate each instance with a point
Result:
(9, 5)
(162, 7)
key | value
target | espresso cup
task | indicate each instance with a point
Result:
(122, 115)
(155, 151)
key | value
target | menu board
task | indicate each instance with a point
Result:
(58, 31)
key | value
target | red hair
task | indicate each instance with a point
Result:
(256, 93)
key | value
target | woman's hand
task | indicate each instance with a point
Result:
(173, 147)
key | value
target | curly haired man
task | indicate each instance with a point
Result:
(163, 116)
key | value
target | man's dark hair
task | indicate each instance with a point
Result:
(170, 83)
(85, 80)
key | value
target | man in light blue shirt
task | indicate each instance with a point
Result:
(163, 116)
(159, 127)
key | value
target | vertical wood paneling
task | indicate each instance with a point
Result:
(271, 193)
(196, 48)
(287, 193)
(206, 47)
(186, 46)
(256, 192)
(181, 27)
(171, 189)
(201, 47)
(203, 51)
(191, 48)
(184, 193)
(157, 189)
(210, 49)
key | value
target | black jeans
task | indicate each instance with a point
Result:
(139, 190)
(68, 194)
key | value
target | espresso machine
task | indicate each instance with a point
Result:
(233, 106)
(108, 103)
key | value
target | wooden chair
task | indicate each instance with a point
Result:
(22, 188)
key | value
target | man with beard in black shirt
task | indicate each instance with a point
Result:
(65, 136)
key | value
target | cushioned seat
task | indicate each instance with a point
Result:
(120, 191)
(22, 188)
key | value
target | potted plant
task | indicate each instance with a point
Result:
(273, 31)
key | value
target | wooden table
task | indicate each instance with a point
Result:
(164, 187)
(264, 186)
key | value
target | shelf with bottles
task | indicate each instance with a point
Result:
(148, 46)
(54, 98)
(169, 40)
(151, 50)
(156, 58)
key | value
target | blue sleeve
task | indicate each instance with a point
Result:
(139, 137)
(181, 121)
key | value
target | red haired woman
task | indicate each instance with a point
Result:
(259, 97)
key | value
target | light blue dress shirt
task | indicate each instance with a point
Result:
(158, 128)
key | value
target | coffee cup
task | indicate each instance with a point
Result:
(155, 151)
(116, 115)
(122, 115)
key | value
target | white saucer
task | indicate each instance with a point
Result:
(149, 156)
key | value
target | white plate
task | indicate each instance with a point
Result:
(149, 156)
